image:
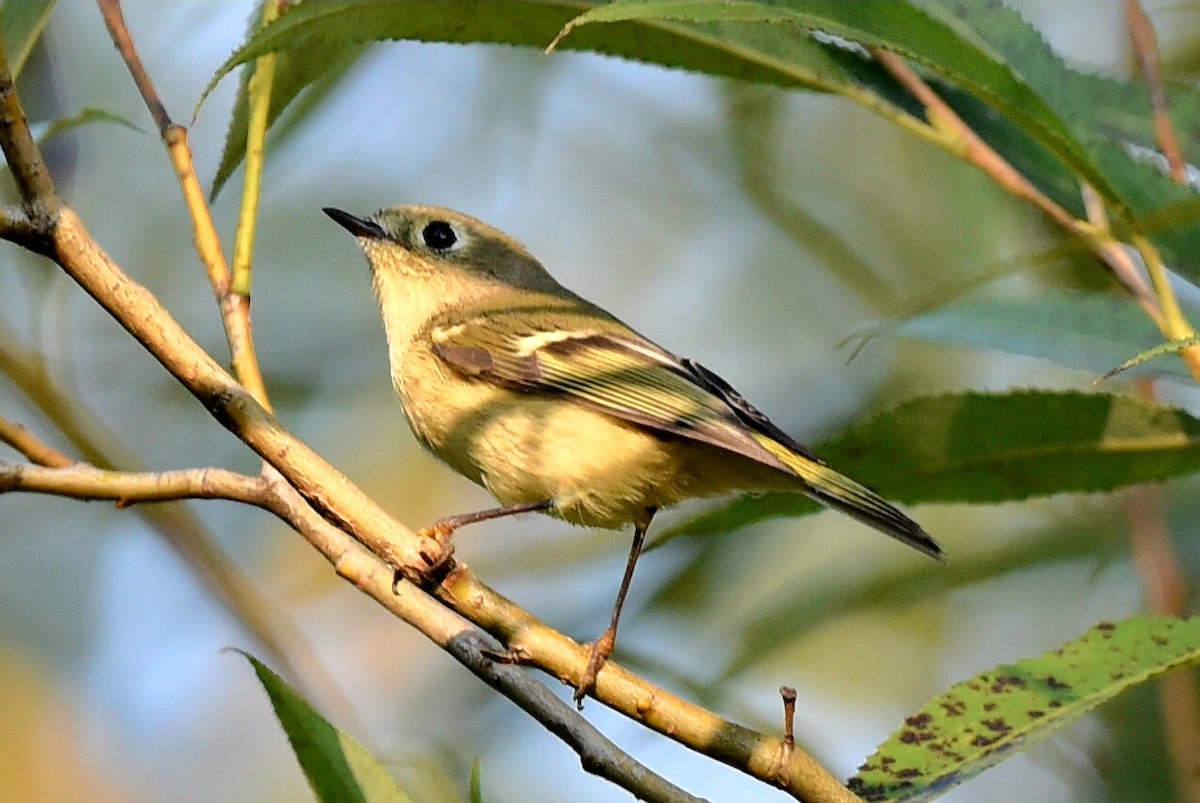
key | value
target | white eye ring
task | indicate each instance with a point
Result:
(442, 237)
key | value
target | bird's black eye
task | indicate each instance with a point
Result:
(439, 235)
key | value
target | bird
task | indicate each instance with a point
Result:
(556, 406)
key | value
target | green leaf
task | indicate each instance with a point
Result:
(953, 52)
(1088, 331)
(315, 67)
(981, 721)
(43, 132)
(1056, 124)
(992, 447)
(338, 767)
(751, 53)
(1109, 118)
(21, 26)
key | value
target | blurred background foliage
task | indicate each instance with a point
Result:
(753, 229)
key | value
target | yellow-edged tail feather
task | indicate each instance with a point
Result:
(835, 490)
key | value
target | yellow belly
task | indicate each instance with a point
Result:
(598, 470)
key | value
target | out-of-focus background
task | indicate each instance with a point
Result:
(654, 193)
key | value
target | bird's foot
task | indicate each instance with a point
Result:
(602, 648)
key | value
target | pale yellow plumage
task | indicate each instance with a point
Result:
(554, 405)
(537, 394)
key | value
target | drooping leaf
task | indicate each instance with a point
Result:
(43, 132)
(955, 53)
(990, 51)
(768, 56)
(1049, 126)
(338, 767)
(992, 447)
(981, 721)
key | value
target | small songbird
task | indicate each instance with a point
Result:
(554, 405)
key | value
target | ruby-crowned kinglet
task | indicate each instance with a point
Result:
(552, 404)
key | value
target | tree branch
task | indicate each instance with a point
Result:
(235, 307)
(331, 493)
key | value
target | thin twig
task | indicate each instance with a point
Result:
(35, 450)
(1145, 51)
(82, 481)
(33, 179)
(789, 725)
(235, 308)
(976, 151)
(114, 19)
(1116, 255)
(258, 89)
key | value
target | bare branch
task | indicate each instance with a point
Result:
(114, 19)
(234, 306)
(1145, 50)
(24, 442)
(24, 159)
(82, 481)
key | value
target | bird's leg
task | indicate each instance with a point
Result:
(441, 530)
(602, 647)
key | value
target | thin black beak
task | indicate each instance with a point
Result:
(358, 226)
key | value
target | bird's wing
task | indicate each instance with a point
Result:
(599, 363)
(596, 361)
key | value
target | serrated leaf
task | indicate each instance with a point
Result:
(979, 45)
(337, 767)
(765, 56)
(1107, 117)
(979, 722)
(954, 53)
(992, 447)
(21, 26)
(315, 67)
(1088, 331)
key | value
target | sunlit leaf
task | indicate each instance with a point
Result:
(338, 767)
(751, 53)
(981, 721)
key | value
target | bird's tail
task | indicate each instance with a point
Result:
(837, 491)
